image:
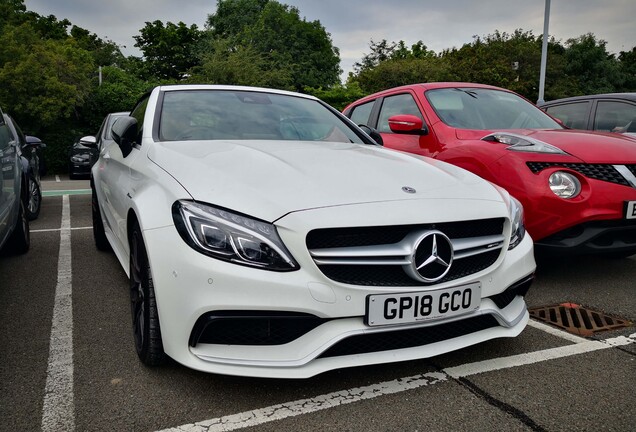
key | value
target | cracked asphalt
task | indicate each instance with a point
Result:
(112, 391)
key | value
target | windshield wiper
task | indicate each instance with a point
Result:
(468, 92)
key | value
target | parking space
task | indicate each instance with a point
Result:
(540, 381)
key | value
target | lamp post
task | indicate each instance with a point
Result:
(544, 51)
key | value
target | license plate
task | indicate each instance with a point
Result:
(630, 209)
(406, 308)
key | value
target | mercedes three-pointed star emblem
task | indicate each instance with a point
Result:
(432, 257)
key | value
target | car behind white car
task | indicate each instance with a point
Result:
(266, 235)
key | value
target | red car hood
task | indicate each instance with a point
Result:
(589, 147)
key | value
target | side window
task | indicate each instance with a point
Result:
(614, 116)
(393, 105)
(360, 114)
(139, 112)
(21, 137)
(10, 132)
(573, 115)
(5, 138)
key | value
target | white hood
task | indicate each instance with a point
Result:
(269, 179)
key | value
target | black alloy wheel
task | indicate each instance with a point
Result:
(35, 199)
(143, 304)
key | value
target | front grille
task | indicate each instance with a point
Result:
(387, 275)
(603, 172)
(399, 339)
(381, 256)
(365, 236)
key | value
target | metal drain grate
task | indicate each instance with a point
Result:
(577, 319)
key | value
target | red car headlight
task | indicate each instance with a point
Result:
(564, 185)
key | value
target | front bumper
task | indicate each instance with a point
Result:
(189, 286)
(592, 222)
(616, 237)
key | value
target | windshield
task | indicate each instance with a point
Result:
(248, 115)
(487, 109)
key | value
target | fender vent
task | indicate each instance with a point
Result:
(577, 319)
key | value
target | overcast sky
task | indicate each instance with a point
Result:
(440, 24)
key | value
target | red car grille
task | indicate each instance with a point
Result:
(603, 172)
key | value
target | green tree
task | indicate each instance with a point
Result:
(285, 43)
(232, 17)
(42, 84)
(230, 64)
(627, 62)
(380, 52)
(169, 50)
(42, 80)
(394, 64)
(119, 92)
(105, 53)
(594, 69)
(338, 96)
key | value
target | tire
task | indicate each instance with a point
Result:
(35, 200)
(99, 234)
(143, 304)
(20, 239)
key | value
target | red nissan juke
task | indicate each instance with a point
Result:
(578, 188)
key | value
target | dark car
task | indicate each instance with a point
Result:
(85, 151)
(14, 224)
(81, 157)
(612, 112)
(30, 148)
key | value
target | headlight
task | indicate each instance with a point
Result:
(516, 218)
(564, 185)
(231, 237)
(523, 143)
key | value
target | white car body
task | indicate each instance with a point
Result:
(299, 187)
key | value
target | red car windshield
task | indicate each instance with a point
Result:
(487, 109)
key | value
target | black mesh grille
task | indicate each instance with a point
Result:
(394, 275)
(366, 236)
(631, 168)
(399, 339)
(604, 172)
(256, 329)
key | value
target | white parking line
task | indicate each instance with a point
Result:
(58, 411)
(344, 397)
(537, 356)
(556, 332)
(58, 229)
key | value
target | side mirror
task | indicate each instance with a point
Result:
(34, 141)
(374, 134)
(125, 131)
(407, 124)
(88, 141)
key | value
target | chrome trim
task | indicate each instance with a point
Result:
(401, 253)
(627, 174)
